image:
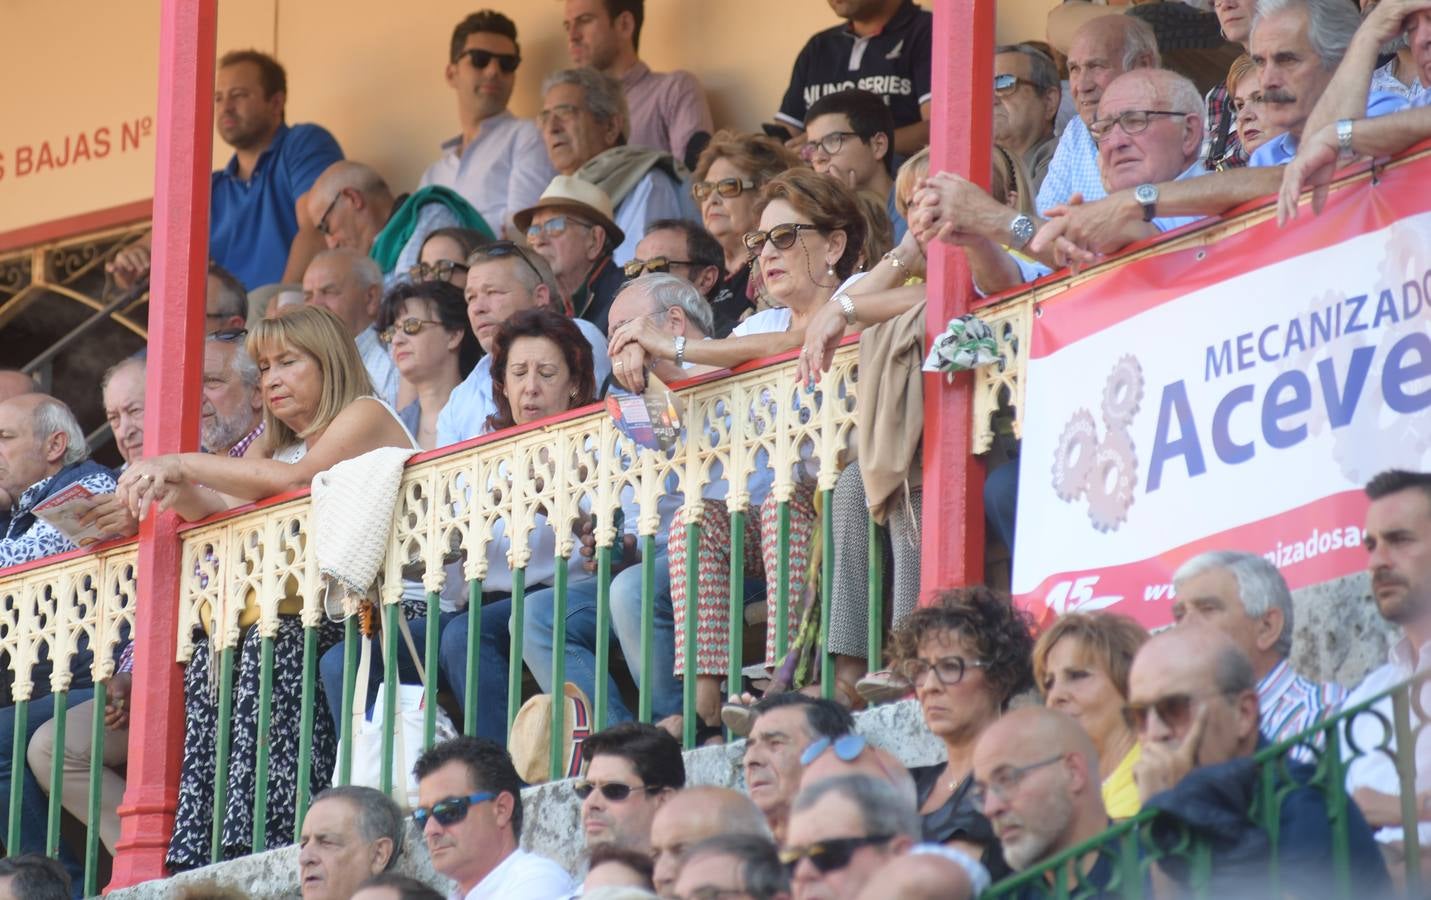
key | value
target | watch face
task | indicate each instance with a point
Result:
(1022, 228)
(1145, 193)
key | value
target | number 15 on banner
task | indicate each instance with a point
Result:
(1077, 596)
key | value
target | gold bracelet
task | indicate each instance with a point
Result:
(894, 260)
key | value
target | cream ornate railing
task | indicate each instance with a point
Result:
(68, 268)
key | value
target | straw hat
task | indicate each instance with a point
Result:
(580, 198)
(530, 743)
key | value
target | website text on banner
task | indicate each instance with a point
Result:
(1188, 401)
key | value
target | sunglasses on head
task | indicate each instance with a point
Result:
(657, 264)
(409, 326)
(438, 271)
(449, 811)
(847, 748)
(614, 791)
(503, 250)
(782, 236)
(726, 187)
(481, 59)
(831, 855)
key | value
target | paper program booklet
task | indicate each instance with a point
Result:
(64, 510)
(652, 419)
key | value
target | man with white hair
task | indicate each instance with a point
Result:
(122, 392)
(347, 283)
(1244, 596)
(841, 831)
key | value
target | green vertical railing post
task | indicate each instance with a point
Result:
(474, 646)
(265, 723)
(1130, 869)
(603, 634)
(305, 730)
(429, 668)
(514, 655)
(57, 776)
(559, 601)
(782, 588)
(1271, 819)
(1406, 771)
(221, 751)
(22, 708)
(648, 626)
(827, 586)
(96, 764)
(391, 637)
(1337, 812)
(688, 688)
(874, 648)
(735, 627)
(350, 676)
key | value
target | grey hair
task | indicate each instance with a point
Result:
(537, 271)
(1330, 25)
(1232, 670)
(883, 808)
(1042, 72)
(114, 370)
(361, 266)
(761, 874)
(1139, 39)
(1259, 584)
(241, 364)
(378, 816)
(673, 291)
(601, 93)
(51, 415)
(1178, 92)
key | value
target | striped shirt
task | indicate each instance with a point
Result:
(1291, 704)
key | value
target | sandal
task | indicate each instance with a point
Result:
(738, 717)
(884, 686)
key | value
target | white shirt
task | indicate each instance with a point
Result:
(521, 876)
(1375, 769)
(656, 196)
(379, 364)
(504, 170)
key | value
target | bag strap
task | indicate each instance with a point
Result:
(365, 664)
(412, 648)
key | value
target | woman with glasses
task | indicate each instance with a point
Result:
(319, 410)
(727, 182)
(967, 657)
(424, 326)
(1081, 666)
(810, 235)
(443, 256)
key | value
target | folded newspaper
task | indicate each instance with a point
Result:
(652, 418)
(64, 510)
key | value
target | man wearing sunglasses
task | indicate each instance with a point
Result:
(842, 830)
(1026, 99)
(1192, 702)
(497, 161)
(849, 136)
(571, 226)
(684, 248)
(471, 819)
(632, 770)
(730, 866)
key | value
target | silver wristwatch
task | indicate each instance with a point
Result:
(1344, 140)
(847, 306)
(681, 351)
(1021, 231)
(1147, 197)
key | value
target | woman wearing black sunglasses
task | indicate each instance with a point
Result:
(811, 233)
(424, 327)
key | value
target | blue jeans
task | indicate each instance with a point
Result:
(330, 668)
(538, 639)
(626, 620)
(34, 804)
(492, 656)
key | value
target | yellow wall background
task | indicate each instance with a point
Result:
(368, 70)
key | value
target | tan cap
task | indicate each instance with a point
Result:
(580, 198)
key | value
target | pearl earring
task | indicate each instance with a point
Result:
(829, 270)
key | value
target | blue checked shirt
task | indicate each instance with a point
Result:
(1073, 169)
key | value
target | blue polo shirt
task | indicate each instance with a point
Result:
(252, 223)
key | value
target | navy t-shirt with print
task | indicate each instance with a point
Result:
(893, 64)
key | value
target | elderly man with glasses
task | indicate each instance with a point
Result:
(1026, 98)
(842, 830)
(572, 228)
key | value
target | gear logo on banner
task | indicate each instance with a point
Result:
(1103, 471)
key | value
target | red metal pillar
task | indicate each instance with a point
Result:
(961, 138)
(183, 158)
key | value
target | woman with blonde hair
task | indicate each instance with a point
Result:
(1081, 666)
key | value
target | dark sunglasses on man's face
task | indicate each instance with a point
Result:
(782, 236)
(1175, 710)
(831, 855)
(658, 264)
(481, 59)
(612, 790)
(230, 335)
(438, 271)
(450, 811)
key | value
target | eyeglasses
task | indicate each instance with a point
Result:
(782, 236)
(830, 144)
(503, 250)
(1006, 781)
(831, 855)
(481, 59)
(614, 791)
(554, 227)
(949, 670)
(1175, 711)
(439, 271)
(323, 221)
(450, 811)
(410, 326)
(1006, 84)
(564, 112)
(230, 335)
(726, 187)
(657, 264)
(1132, 121)
(847, 748)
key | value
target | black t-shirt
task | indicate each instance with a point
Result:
(729, 301)
(893, 64)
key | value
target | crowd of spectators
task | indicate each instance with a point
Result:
(541, 264)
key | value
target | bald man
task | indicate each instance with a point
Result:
(926, 874)
(354, 208)
(691, 816)
(1038, 771)
(1193, 705)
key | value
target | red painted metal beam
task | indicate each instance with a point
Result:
(183, 156)
(961, 138)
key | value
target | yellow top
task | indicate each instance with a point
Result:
(1120, 794)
